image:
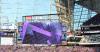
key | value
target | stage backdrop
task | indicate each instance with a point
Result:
(41, 33)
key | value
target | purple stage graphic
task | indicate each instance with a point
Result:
(41, 33)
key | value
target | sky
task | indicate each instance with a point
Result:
(13, 10)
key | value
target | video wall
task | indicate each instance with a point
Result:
(41, 33)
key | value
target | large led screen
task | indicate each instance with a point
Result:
(41, 33)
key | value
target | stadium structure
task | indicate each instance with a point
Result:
(75, 25)
(82, 16)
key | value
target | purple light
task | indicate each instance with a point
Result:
(39, 30)
(48, 41)
(24, 30)
(34, 28)
(52, 32)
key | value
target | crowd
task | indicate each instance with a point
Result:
(46, 49)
